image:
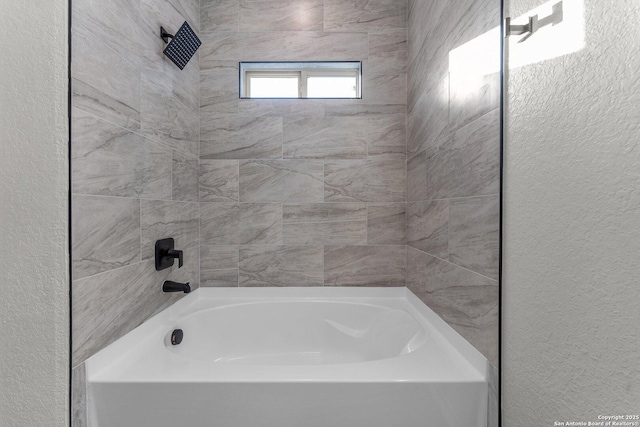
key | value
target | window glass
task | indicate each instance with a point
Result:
(301, 80)
(274, 87)
(332, 87)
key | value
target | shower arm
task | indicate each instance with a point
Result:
(164, 35)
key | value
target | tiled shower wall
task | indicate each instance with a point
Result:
(135, 127)
(453, 152)
(303, 192)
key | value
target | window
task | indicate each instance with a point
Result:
(300, 80)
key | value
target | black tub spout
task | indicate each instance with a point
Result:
(170, 286)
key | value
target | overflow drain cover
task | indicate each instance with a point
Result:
(176, 336)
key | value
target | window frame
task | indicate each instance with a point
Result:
(303, 71)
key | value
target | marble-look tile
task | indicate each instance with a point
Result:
(361, 108)
(250, 46)
(453, 150)
(417, 177)
(219, 15)
(218, 180)
(174, 12)
(163, 118)
(218, 257)
(281, 266)
(79, 397)
(387, 136)
(493, 402)
(161, 219)
(224, 278)
(423, 18)
(454, 24)
(371, 180)
(468, 163)
(472, 96)
(108, 160)
(190, 10)
(429, 25)
(107, 21)
(241, 224)
(218, 266)
(241, 138)
(311, 45)
(281, 181)
(475, 18)
(325, 224)
(387, 52)
(108, 305)
(427, 122)
(478, 147)
(427, 71)
(356, 15)
(465, 300)
(384, 89)
(106, 234)
(474, 225)
(281, 15)
(185, 178)
(364, 265)
(325, 138)
(386, 224)
(104, 84)
(219, 89)
(428, 227)
(282, 107)
(186, 84)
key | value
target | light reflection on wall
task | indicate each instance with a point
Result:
(471, 64)
(303, 15)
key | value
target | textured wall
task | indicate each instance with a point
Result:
(303, 192)
(572, 223)
(34, 299)
(453, 143)
(134, 164)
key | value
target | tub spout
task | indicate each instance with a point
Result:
(170, 286)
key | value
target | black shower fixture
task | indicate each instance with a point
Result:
(182, 45)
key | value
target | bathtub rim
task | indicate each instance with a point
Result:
(98, 366)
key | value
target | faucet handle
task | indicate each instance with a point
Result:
(173, 253)
(165, 254)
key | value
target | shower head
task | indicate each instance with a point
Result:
(182, 46)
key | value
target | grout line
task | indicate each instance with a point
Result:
(199, 267)
(137, 198)
(171, 174)
(324, 266)
(448, 228)
(139, 133)
(455, 198)
(405, 236)
(140, 207)
(293, 245)
(114, 269)
(455, 265)
(324, 181)
(366, 221)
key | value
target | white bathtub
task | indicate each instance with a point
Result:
(290, 357)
